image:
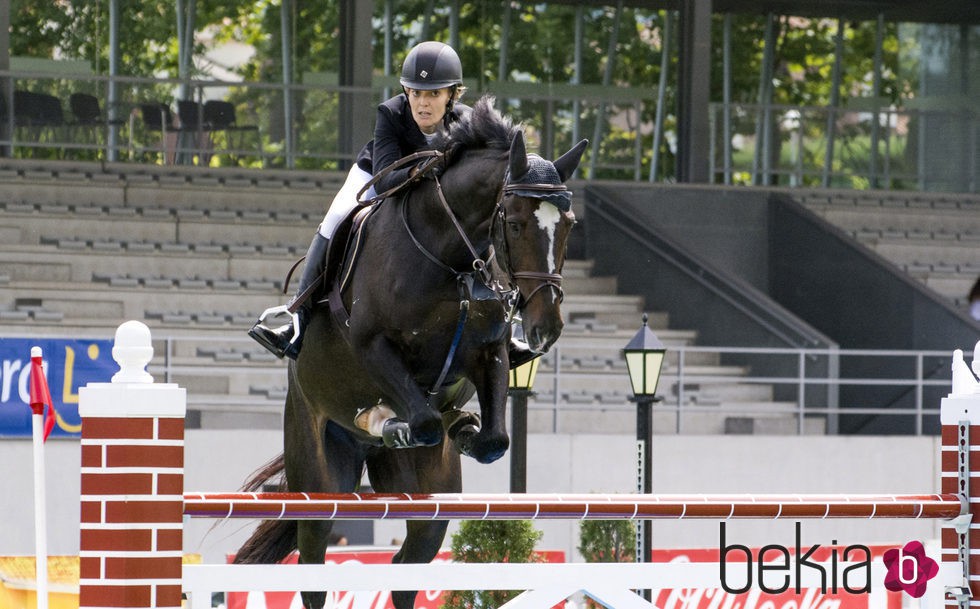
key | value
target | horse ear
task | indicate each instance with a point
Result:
(518, 156)
(568, 162)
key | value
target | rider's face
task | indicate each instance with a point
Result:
(428, 107)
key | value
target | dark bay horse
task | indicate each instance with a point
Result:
(380, 384)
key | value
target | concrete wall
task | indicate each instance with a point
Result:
(220, 460)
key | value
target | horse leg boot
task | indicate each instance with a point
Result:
(287, 339)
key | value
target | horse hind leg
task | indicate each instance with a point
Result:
(312, 539)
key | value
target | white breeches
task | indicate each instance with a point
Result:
(346, 200)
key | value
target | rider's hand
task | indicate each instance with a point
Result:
(427, 169)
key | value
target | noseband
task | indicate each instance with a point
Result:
(544, 280)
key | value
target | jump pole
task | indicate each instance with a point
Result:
(133, 502)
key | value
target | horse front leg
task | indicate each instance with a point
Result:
(423, 539)
(422, 470)
(417, 423)
(491, 441)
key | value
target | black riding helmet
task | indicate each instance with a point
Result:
(431, 65)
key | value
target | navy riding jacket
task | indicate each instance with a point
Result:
(396, 136)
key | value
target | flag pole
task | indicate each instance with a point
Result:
(40, 502)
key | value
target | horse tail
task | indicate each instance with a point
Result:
(272, 540)
(272, 474)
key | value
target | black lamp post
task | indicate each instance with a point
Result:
(644, 359)
(521, 381)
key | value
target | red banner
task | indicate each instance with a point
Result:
(426, 599)
(808, 598)
(677, 598)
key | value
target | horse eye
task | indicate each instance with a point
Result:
(514, 228)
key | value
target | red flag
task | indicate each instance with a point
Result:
(40, 394)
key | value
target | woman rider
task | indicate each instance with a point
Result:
(432, 83)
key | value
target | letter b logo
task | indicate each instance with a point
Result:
(908, 568)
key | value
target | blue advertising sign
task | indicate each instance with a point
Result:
(68, 365)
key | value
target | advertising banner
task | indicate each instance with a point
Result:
(836, 597)
(663, 598)
(68, 365)
(426, 599)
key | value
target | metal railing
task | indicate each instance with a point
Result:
(817, 390)
(296, 126)
(871, 145)
(697, 381)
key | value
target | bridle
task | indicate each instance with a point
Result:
(480, 266)
(544, 280)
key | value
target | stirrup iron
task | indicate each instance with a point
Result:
(283, 310)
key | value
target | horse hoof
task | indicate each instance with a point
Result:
(484, 450)
(427, 432)
(313, 600)
(463, 439)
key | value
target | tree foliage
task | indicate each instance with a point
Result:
(541, 42)
(488, 541)
(607, 540)
(541, 48)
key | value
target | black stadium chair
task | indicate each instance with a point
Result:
(155, 118)
(194, 133)
(38, 117)
(220, 115)
(86, 110)
(89, 119)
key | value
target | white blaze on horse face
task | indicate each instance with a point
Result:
(548, 217)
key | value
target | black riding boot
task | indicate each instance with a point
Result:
(287, 339)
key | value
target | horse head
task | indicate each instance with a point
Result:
(537, 216)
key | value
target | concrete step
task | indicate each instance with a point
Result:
(123, 184)
(148, 305)
(820, 198)
(581, 343)
(954, 288)
(949, 221)
(589, 285)
(589, 304)
(950, 252)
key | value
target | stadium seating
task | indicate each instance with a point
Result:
(197, 253)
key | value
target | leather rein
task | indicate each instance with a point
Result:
(481, 267)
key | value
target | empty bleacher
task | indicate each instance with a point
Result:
(934, 237)
(196, 254)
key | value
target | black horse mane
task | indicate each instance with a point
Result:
(482, 128)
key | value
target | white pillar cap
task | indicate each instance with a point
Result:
(133, 350)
